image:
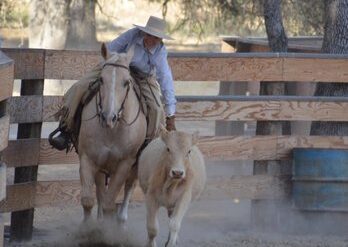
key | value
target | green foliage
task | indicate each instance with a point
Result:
(244, 17)
(14, 13)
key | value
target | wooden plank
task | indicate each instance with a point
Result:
(6, 76)
(18, 197)
(315, 70)
(227, 148)
(50, 156)
(70, 65)
(213, 66)
(22, 152)
(29, 63)
(2, 181)
(226, 69)
(235, 108)
(264, 147)
(67, 193)
(4, 131)
(263, 108)
(26, 109)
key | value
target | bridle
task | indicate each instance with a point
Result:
(99, 107)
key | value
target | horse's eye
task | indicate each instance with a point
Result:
(168, 150)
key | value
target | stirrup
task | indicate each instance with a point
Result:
(61, 141)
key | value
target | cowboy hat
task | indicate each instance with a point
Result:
(155, 26)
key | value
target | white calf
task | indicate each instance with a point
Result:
(171, 174)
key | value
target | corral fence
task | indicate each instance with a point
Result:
(31, 109)
(6, 84)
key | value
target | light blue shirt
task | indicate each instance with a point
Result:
(150, 62)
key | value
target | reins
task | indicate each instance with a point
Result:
(99, 107)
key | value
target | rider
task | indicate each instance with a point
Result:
(148, 65)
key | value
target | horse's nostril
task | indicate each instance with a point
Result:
(103, 116)
(114, 118)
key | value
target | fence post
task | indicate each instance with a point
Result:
(6, 87)
(22, 221)
(2, 197)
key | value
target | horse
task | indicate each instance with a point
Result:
(113, 129)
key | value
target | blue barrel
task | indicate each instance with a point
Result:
(320, 179)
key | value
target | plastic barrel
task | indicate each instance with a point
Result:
(320, 179)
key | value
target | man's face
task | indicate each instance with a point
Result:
(151, 41)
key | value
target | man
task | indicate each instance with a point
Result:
(148, 65)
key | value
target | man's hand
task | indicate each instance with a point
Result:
(170, 123)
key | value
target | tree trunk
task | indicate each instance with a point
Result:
(48, 24)
(277, 38)
(336, 42)
(264, 214)
(82, 26)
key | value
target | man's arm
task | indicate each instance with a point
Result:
(165, 79)
(120, 44)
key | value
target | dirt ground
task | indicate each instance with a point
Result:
(207, 223)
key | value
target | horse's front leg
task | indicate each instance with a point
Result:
(117, 179)
(87, 175)
(128, 191)
(100, 181)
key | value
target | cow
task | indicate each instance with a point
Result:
(171, 173)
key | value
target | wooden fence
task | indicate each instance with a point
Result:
(32, 66)
(6, 84)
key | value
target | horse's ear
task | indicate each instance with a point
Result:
(130, 54)
(195, 137)
(104, 51)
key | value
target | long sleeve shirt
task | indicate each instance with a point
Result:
(153, 62)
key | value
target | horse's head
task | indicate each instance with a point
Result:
(115, 85)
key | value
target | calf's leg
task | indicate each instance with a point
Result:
(177, 215)
(152, 208)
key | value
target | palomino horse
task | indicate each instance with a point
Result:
(109, 143)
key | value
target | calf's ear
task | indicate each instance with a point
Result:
(195, 137)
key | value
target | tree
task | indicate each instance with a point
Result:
(82, 27)
(336, 42)
(62, 24)
(243, 17)
(48, 23)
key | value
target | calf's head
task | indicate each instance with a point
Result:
(178, 150)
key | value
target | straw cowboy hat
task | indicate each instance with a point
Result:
(155, 26)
